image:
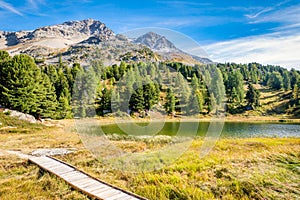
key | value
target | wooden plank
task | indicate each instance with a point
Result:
(76, 178)
(89, 183)
(59, 169)
(118, 196)
(126, 198)
(103, 189)
(81, 181)
(66, 172)
(108, 193)
(93, 187)
(50, 165)
(73, 175)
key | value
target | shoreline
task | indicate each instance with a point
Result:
(231, 119)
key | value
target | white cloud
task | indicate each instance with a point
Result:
(35, 3)
(10, 8)
(266, 10)
(259, 13)
(287, 15)
(265, 49)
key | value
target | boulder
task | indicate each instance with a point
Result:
(20, 115)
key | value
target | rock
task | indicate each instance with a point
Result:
(52, 152)
(21, 116)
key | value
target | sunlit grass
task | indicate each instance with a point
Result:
(256, 168)
(22, 180)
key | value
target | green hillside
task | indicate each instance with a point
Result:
(137, 88)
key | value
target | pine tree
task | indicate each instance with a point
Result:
(252, 96)
(217, 86)
(103, 101)
(295, 77)
(136, 102)
(195, 82)
(150, 95)
(25, 88)
(235, 87)
(84, 93)
(4, 56)
(61, 83)
(196, 102)
(170, 102)
(64, 110)
(183, 91)
(275, 81)
(295, 93)
(47, 98)
(286, 81)
(212, 103)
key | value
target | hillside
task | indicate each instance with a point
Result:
(139, 89)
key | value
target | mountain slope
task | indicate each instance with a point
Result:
(168, 50)
(156, 42)
(75, 41)
(81, 41)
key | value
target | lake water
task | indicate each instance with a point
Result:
(230, 129)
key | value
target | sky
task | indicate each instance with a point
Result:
(228, 31)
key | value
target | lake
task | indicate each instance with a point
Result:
(230, 129)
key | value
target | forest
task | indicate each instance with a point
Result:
(60, 91)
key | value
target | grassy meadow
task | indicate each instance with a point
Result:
(250, 168)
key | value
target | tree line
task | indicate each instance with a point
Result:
(60, 91)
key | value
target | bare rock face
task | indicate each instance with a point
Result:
(74, 30)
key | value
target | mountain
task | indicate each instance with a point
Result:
(85, 40)
(60, 35)
(156, 42)
(168, 50)
(74, 41)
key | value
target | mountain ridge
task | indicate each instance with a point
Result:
(77, 40)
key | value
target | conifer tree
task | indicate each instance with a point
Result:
(286, 81)
(25, 88)
(295, 93)
(252, 96)
(136, 102)
(275, 81)
(47, 98)
(170, 102)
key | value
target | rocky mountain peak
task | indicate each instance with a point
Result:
(74, 29)
(156, 42)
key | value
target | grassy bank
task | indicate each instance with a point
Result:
(256, 168)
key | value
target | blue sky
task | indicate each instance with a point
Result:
(235, 30)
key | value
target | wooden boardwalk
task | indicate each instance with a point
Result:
(82, 181)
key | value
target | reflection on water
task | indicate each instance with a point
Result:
(230, 129)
